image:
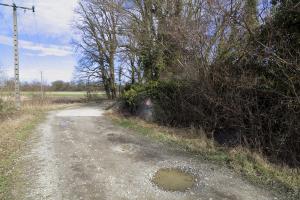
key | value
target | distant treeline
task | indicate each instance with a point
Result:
(54, 86)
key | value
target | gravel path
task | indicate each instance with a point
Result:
(79, 154)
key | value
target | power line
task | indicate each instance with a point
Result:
(16, 50)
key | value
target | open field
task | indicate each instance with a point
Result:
(79, 94)
(54, 97)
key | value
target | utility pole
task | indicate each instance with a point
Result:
(16, 50)
(42, 87)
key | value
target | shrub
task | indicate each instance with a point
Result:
(260, 119)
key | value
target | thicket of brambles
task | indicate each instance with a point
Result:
(226, 66)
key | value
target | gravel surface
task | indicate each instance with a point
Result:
(80, 154)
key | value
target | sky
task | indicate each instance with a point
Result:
(44, 39)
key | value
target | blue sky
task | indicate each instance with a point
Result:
(44, 39)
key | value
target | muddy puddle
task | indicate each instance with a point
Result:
(173, 180)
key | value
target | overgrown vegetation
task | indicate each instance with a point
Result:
(230, 68)
(250, 117)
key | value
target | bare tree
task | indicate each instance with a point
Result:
(99, 40)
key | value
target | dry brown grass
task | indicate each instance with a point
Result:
(15, 129)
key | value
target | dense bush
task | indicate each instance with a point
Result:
(245, 86)
(260, 119)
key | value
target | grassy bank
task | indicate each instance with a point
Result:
(15, 129)
(250, 165)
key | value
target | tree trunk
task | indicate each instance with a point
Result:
(113, 87)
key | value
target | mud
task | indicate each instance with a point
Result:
(173, 180)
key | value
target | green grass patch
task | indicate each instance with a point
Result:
(252, 166)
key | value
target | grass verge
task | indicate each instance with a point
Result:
(15, 128)
(250, 165)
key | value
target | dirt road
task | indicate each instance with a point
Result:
(79, 154)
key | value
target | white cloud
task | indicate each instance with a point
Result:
(49, 74)
(39, 49)
(45, 38)
(53, 18)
